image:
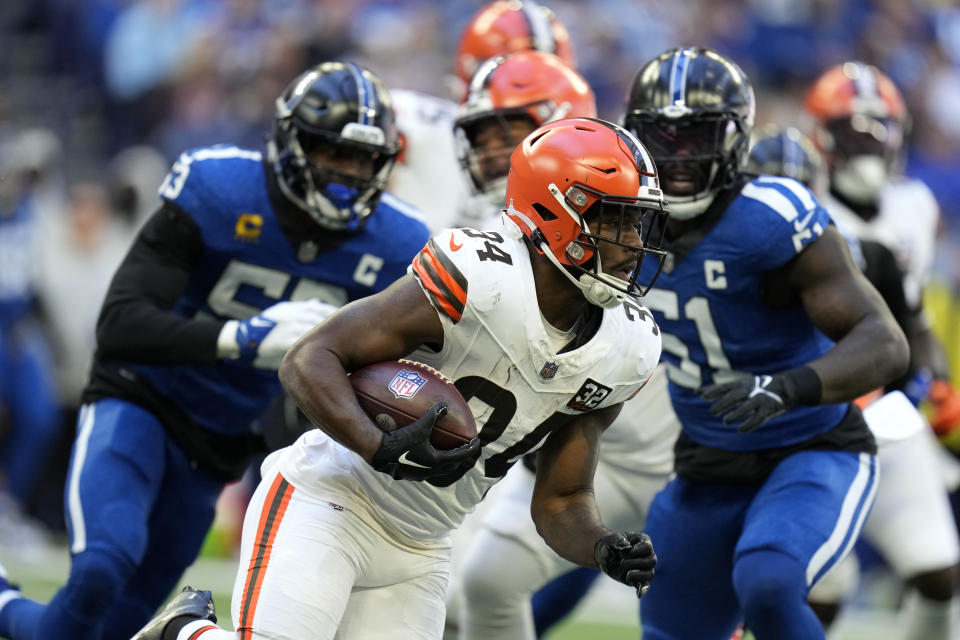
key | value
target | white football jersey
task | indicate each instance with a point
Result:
(641, 439)
(427, 173)
(498, 353)
(906, 223)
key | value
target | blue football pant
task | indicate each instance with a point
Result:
(557, 598)
(137, 514)
(729, 553)
(28, 392)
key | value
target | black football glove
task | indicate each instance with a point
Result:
(751, 399)
(627, 558)
(406, 453)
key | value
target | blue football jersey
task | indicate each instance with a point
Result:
(248, 264)
(16, 245)
(714, 322)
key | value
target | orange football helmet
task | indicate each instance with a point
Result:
(854, 87)
(859, 126)
(530, 86)
(506, 26)
(570, 175)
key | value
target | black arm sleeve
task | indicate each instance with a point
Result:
(135, 323)
(883, 273)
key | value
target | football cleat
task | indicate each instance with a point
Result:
(189, 602)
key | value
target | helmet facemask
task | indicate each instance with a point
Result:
(696, 156)
(605, 285)
(610, 220)
(335, 198)
(334, 144)
(864, 151)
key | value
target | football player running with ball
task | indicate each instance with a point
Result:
(505, 561)
(248, 252)
(333, 546)
(769, 331)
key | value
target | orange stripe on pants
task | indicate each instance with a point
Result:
(274, 507)
(196, 634)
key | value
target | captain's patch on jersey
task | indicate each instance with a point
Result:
(248, 227)
(590, 395)
(406, 383)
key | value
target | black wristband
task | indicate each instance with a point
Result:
(807, 387)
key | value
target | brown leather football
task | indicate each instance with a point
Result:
(396, 393)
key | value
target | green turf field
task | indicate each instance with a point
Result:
(607, 614)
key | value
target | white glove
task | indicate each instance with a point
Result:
(263, 339)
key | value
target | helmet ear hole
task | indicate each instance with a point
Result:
(544, 213)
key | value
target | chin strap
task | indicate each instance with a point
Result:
(687, 209)
(598, 292)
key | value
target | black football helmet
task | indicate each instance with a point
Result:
(785, 151)
(334, 143)
(694, 110)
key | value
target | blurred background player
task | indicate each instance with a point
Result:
(544, 303)
(508, 97)
(776, 469)
(861, 122)
(506, 26)
(246, 254)
(426, 172)
(29, 414)
(859, 125)
(785, 151)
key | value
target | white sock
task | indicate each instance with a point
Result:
(192, 632)
(927, 619)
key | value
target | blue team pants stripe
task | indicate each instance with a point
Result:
(853, 513)
(74, 505)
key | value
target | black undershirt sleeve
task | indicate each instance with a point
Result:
(135, 323)
(883, 273)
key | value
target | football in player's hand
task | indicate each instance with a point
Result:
(396, 393)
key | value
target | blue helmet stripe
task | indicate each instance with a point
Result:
(678, 76)
(365, 95)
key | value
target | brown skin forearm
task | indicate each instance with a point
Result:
(386, 326)
(563, 506)
(870, 349)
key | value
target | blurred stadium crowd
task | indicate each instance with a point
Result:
(97, 97)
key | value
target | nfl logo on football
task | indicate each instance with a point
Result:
(549, 370)
(406, 384)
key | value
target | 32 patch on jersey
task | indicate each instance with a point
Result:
(590, 395)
